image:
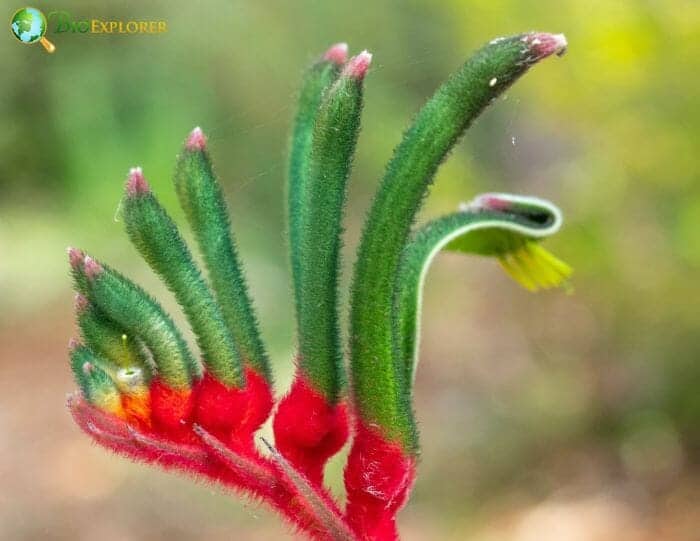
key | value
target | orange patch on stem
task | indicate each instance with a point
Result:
(137, 409)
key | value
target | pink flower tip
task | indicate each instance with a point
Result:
(88, 368)
(488, 201)
(196, 140)
(358, 65)
(136, 183)
(92, 267)
(73, 344)
(75, 257)
(338, 54)
(543, 44)
(80, 303)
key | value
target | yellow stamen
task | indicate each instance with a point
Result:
(535, 268)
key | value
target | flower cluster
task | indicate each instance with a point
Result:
(145, 395)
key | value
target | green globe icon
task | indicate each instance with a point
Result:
(29, 26)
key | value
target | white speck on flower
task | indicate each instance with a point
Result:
(118, 211)
(130, 377)
(512, 140)
(493, 82)
(536, 41)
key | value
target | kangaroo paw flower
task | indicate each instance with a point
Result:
(143, 392)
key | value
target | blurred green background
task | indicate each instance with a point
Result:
(543, 417)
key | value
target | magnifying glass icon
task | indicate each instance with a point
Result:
(29, 25)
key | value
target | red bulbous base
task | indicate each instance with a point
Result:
(171, 411)
(231, 414)
(308, 430)
(378, 478)
(208, 432)
(307, 508)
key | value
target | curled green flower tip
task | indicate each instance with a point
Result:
(525, 261)
(504, 226)
(202, 200)
(95, 383)
(108, 339)
(319, 239)
(140, 315)
(156, 237)
(317, 79)
(377, 375)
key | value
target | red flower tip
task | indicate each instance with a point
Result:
(358, 65)
(543, 44)
(80, 303)
(75, 257)
(136, 183)
(92, 267)
(196, 140)
(338, 54)
(73, 344)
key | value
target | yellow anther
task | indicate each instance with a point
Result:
(535, 268)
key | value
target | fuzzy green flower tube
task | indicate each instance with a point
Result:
(316, 81)
(156, 236)
(311, 423)
(378, 379)
(201, 197)
(319, 239)
(504, 226)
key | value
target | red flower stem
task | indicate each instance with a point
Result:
(318, 501)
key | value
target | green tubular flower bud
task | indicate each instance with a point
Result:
(140, 315)
(496, 225)
(319, 239)
(156, 237)
(95, 383)
(377, 375)
(108, 339)
(316, 81)
(201, 198)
